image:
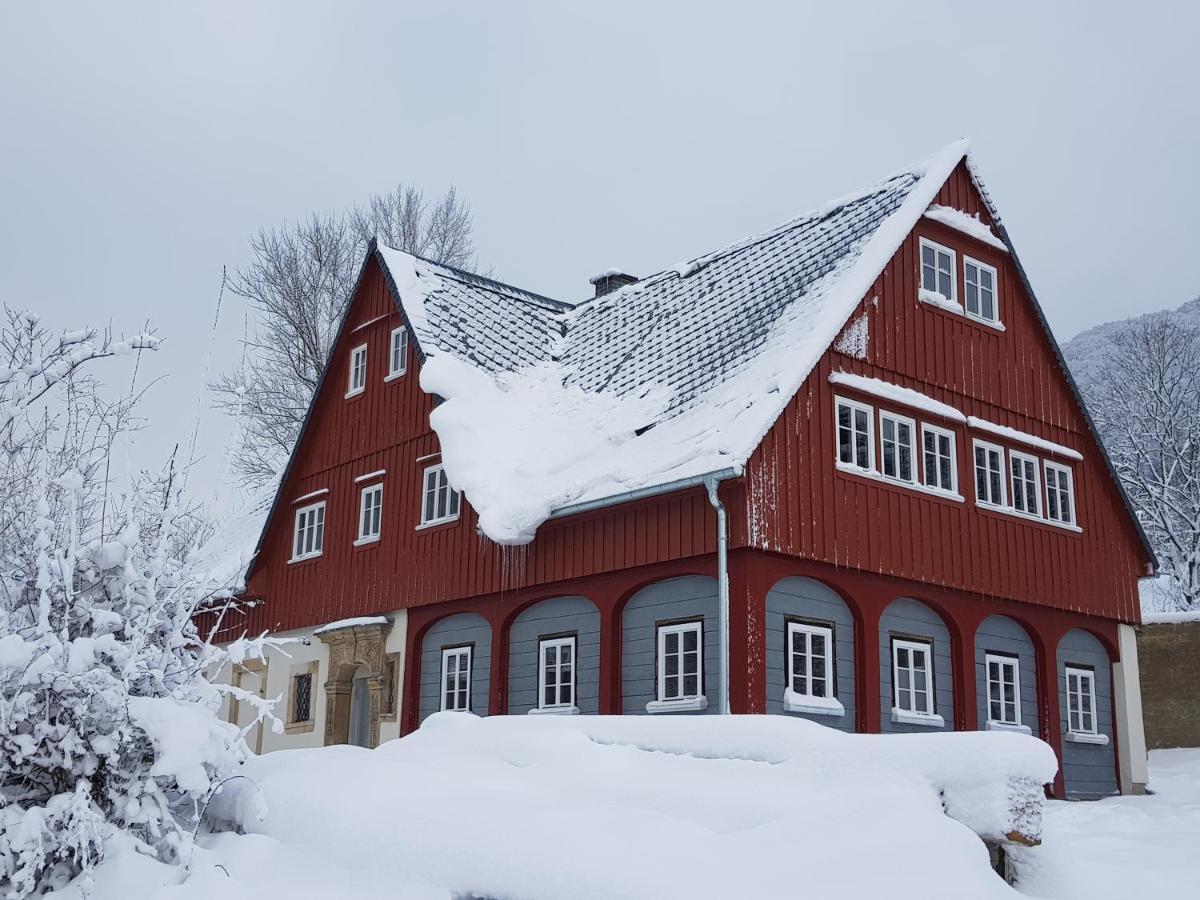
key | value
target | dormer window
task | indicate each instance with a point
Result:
(979, 282)
(358, 371)
(937, 271)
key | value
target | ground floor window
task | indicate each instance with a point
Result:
(810, 652)
(680, 661)
(1081, 700)
(912, 677)
(1003, 689)
(456, 679)
(301, 698)
(556, 672)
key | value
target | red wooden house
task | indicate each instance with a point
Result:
(837, 470)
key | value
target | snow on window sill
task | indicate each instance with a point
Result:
(363, 541)
(1028, 517)
(813, 706)
(1085, 737)
(926, 720)
(987, 323)
(1008, 726)
(687, 704)
(554, 711)
(907, 485)
(941, 301)
(393, 376)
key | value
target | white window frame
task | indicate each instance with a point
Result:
(978, 316)
(305, 524)
(453, 497)
(357, 376)
(1004, 475)
(1079, 673)
(938, 248)
(903, 713)
(398, 341)
(897, 420)
(854, 406)
(557, 643)
(1035, 464)
(679, 628)
(371, 495)
(937, 432)
(460, 696)
(1060, 472)
(1005, 662)
(806, 631)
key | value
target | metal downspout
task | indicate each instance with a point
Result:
(712, 483)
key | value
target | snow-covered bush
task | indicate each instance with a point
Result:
(107, 723)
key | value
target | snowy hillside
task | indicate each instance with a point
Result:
(1086, 350)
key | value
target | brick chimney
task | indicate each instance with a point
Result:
(607, 282)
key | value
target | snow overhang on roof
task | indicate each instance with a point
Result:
(676, 376)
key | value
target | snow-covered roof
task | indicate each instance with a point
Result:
(225, 558)
(678, 375)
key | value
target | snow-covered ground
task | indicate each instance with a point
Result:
(702, 807)
(1124, 847)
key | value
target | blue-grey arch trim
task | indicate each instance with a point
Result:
(1005, 636)
(556, 616)
(1089, 770)
(454, 631)
(913, 619)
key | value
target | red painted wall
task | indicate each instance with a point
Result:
(798, 503)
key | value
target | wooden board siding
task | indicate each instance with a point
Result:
(798, 503)
(387, 427)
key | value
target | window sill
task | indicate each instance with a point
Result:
(395, 376)
(926, 720)
(300, 727)
(426, 526)
(688, 704)
(915, 487)
(303, 559)
(1008, 726)
(813, 706)
(366, 541)
(554, 711)
(953, 308)
(1009, 512)
(1084, 737)
(940, 301)
(358, 393)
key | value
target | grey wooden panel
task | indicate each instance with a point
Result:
(679, 598)
(557, 616)
(1002, 635)
(910, 618)
(453, 631)
(803, 598)
(1089, 770)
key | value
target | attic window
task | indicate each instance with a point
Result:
(979, 283)
(358, 371)
(398, 353)
(937, 270)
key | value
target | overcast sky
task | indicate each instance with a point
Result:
(141, 144)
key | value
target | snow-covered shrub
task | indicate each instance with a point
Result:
(107, 723)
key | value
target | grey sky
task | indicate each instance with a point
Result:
(142, 143)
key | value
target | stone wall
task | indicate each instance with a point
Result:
(1169, 655)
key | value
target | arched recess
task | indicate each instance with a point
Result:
(1003, 648)
(814, 615)
(355, 650)
(1088, 753)
(569, 627)
(904, 625)
(655, 612)
(471, 635)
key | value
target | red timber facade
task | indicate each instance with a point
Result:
(800, 526)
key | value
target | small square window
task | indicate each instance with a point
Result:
(370, 513)
(1026, 490)
(308, 539)
(979, 286)
(358, 371)
(989, 474)
(1060, 494)
(937, 270)
(439, 502)
(856, 441)
(896, 437)
(398, 353)
(939, 460)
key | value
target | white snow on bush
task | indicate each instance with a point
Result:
(186, 737)
(523, 445)
(960, 221)
(641, 807)
(885, 390)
